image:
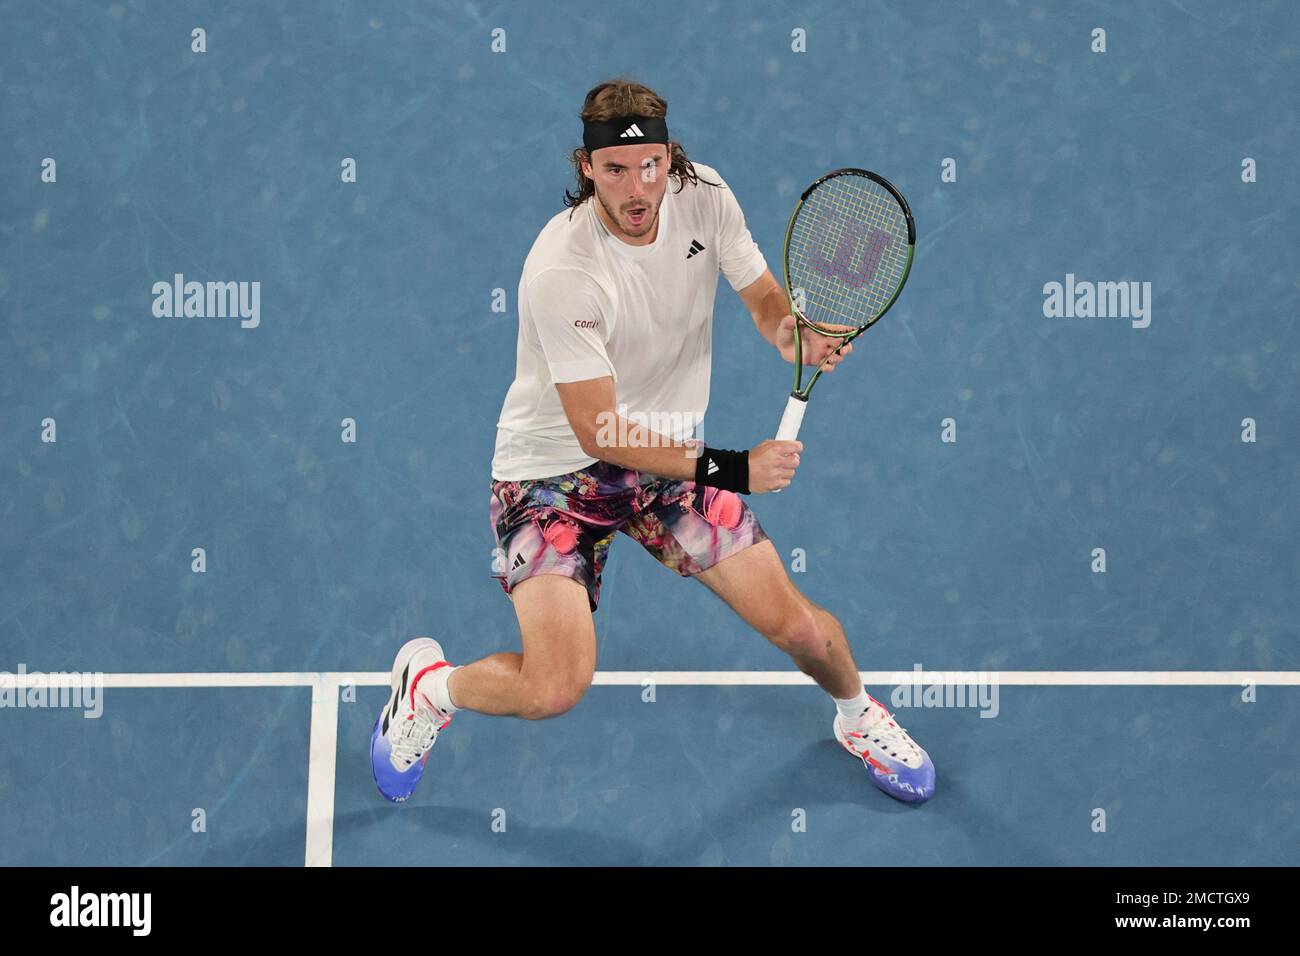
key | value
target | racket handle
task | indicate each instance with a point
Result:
(792, 419)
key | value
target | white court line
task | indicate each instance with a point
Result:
(320, 772)
(686, 678)
(325, 688)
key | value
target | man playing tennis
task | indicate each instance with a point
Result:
(615, 315)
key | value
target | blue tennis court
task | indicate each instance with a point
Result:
(219, 529)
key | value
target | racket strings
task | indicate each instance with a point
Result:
(848, 251)
(839, 219)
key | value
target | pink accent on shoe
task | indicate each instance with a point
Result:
(431, 667)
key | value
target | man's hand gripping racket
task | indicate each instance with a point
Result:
(848, 250)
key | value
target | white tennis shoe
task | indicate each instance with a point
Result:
(408, 726)
(896, 764)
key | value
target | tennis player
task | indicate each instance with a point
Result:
(615, 338)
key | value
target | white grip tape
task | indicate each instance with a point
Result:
(792, 419)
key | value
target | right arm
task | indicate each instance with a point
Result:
(569, 315)
(604, 434)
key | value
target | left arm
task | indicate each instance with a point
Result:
(738, 259)
(767, 304)
(770, 309)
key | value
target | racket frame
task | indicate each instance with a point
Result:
(799, 394)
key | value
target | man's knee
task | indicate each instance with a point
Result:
(800, 632)
(552, 696)
(559, 645)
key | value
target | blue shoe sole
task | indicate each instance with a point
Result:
(400, 786)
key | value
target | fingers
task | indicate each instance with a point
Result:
(830, 356)
(786, 464)
(835, 358)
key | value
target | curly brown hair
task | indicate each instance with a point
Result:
(624, 97)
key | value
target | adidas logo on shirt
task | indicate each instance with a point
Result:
(632, 132)
(713, 467)
(520, 561)
(695, 248)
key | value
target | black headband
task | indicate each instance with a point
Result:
(624, 131)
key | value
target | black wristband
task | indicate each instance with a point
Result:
(719, 468)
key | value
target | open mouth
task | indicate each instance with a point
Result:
(637, 216)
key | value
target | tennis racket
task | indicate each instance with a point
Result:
(848, 250)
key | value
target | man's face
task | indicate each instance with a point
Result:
(630, 183)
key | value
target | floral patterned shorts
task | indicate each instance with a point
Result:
(565, 525)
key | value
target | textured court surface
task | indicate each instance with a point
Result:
(1072, 434)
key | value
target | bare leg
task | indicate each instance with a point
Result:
(754, 582)
(556, 667)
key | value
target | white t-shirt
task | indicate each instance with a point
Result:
(591, 305)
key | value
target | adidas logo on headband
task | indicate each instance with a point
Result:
(624, 130)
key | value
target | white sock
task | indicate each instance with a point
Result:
(433, 687)
(854, 707)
